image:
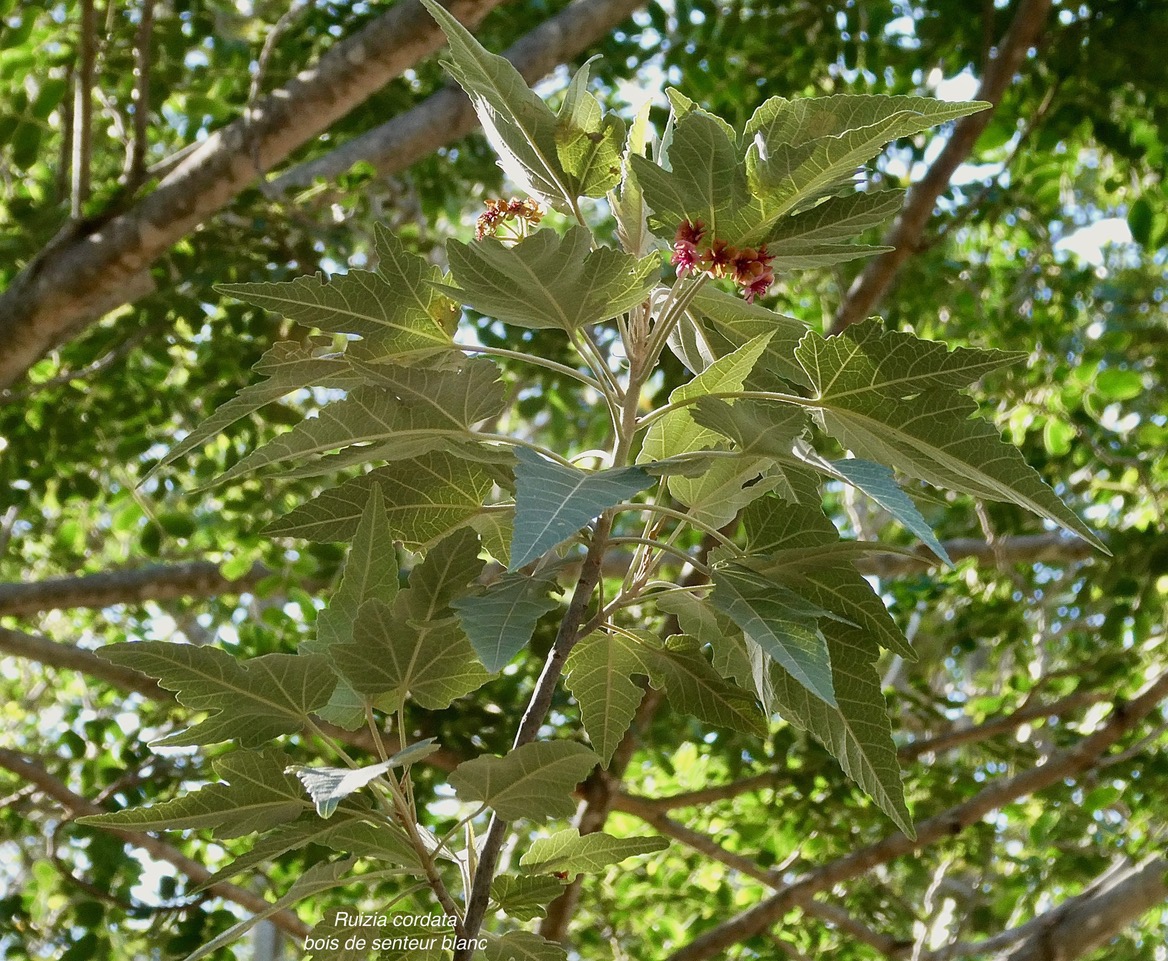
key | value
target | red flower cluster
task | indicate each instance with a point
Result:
(500, 211)
(748, 267)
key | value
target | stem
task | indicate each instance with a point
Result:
(537, 361)
(570, 631)
(433, 878)
(666, 547)
(520, 442)
(541, 698)
(679, 516)
(592, 356)
(726, 395)
(376, 733)
(680, 297)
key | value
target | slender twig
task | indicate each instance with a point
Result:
(660, 412)
(532, 359)
(143, 43)
(83, 109)
(683, 556)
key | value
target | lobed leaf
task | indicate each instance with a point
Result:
(553, 502)
(403, 412)
(370, 571)
(569, 852)
(416, 648)
(891, 399)
(426, 498)
(249, 701)
(287, 367)
(599, 675)
(525, 897)
(258, 795)
(533, 781)
(501, 620)
(856, 730)
(565, 282)
(783, 624)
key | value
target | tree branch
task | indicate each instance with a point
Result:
(1000, 725)
(35, 773)
(34, 647)
(718, 792)
(877, 276)
(704, 844)
(448, 115)
(95, 270)
(1053, 548)
(1080, 924)
(154, 582)
(1059, 766)
(162, 582)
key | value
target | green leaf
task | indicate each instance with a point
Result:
(588, 143)
(426, 498)
(258, 795)
(371, 571)
(501, 620)
(783, 624)
(533, 781)
(803, 550)
(792, 153)
(411, 411)
(835, 219)
(525, 897)
(568, 852)
(694, 687)
(715, 498)
(877, 482)
(799, 148)
(328, 786)
(496, 529)
(518, 124)
(249, 701)
(396, 309)
(889, 398)
(599, 672)
(565, 284)
(677, 432)
(553, 502)
(287, 367)
(522, 946)
(867, 360)
(736, 323)
(856, 731)
(416, 648)
(732, 655)
(347, 835)
(758, 429)
(627, 203)
(1115, 384)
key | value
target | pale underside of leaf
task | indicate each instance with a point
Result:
(553, 502)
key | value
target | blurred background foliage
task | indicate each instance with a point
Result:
(1050, 239)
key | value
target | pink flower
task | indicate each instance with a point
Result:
(685, 251)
